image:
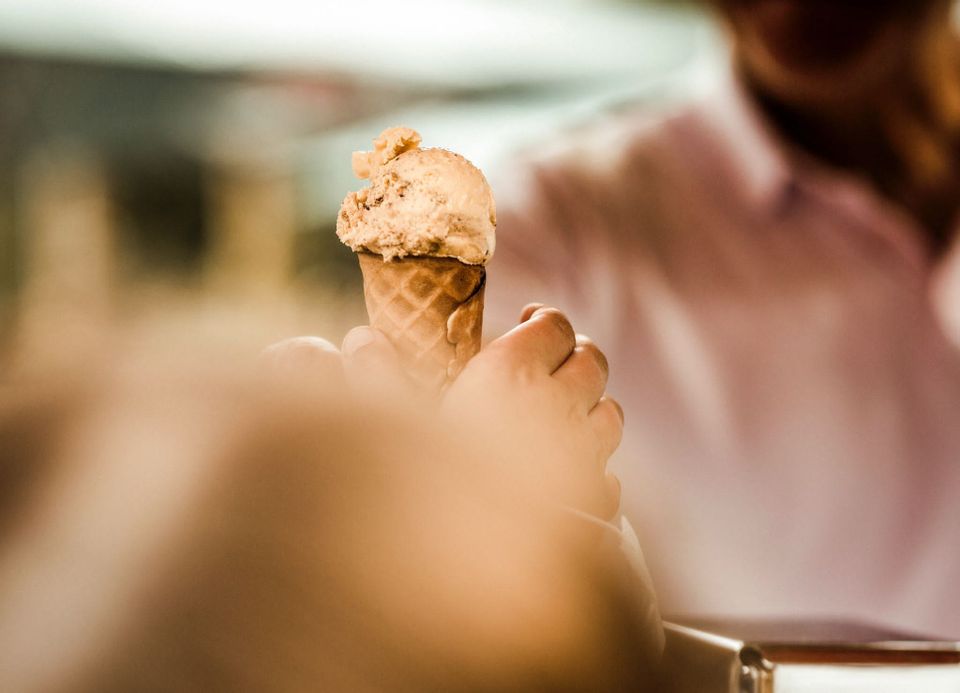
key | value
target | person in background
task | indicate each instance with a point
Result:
(772, 268)
(190, 525)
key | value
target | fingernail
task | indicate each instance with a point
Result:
(357, 339)
(619, 409)
(529, 310)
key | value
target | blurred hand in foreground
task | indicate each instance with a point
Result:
(185, 524)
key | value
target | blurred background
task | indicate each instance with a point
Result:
(191, 156)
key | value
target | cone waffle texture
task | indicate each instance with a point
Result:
(430, 308)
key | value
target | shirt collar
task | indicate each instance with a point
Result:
(758, 155)
(771, 171)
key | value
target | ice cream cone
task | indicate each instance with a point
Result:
(430, 308)
(424, 230)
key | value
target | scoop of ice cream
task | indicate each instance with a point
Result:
(419, 202)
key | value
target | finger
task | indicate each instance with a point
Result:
(585, 372)
(310, 358)
(601, 496)
(370, 361)
(611, 497)
(542, 343)
(529, 310)
(606, 419)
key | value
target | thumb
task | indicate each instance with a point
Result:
(370, 361)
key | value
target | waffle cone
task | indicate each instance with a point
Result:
(430, 308)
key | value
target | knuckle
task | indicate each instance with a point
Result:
(585, 380)
(611, 419)
(617, 409)
(602, 360)
(596, 355)
(558, 321)
(500, 361)
(498, 355)
(529, 310)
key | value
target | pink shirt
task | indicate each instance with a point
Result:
(792, 397)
